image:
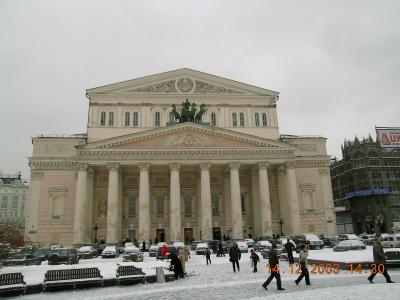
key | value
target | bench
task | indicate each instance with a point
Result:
(12, 283)
(130, 274)
(72, 278)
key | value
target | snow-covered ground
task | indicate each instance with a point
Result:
(218, 281)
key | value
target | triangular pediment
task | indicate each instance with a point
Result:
(186, 135)
(182, 81)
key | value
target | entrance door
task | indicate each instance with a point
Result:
(160, 234)
(188, 235)
(217, 233)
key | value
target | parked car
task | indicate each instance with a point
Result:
(250, 243)
(132, 254)
(349, 236)
(391, 241)
(368, 239)
(201, 248)
(55, 246)
(129, 244)
(109, 251)
(242, 246)
(100, 248)
(330, 241)
(311, 240)
(349, 245)
(172, 250)
(87, 252)
(67, 256)
(279, 249)
(392, 257)
(260, 245)
(193, 245)
(178, 244)
(22, 260)
(42, 253)
(153, 250)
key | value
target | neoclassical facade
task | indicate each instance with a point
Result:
(137, 174)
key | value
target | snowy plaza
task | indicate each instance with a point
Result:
(218, 281)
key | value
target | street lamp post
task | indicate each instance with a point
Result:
(280, 222)
(200, 235)
(95, 228)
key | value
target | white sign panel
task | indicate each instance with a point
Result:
(389, 137)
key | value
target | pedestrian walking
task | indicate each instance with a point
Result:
(234, 257)
(207, 254)
(289, 247)
(176, 266)
(255, 259)
(379, 265)
(304, 265)
(274, 269)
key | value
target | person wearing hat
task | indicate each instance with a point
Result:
(274, 269)
(379, 261)
(304, 265)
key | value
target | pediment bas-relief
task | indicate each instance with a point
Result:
(186, 139)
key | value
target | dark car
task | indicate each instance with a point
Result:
(172, 250)
(22, 260)
(310, 240)
(67, 256)
(42, 253)
(330, 241)
(87, 252)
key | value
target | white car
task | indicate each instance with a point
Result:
(201, 248)
(249, 242)
(153, 250)
(314, 241)
(109, 251)
(178, 245)
(129, 244)
(391, 240)
(243, 247)
(260, 245)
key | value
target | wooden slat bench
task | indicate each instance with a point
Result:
(130, 274)
(72, 278)
(12, 283)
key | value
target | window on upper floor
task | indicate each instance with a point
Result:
(160, 206)
(127, 119)
(157, 119)
(131, 206)
(135, 122)
(234, 120)
(215, 205)
(4, 203)
(241, 119)
(15, 202)
(103, 118)
(111, 118)
(257, 119)
(188, 206)
(213, 119)
(264, 119)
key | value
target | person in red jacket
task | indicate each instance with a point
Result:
(255, 258)
(165, 251)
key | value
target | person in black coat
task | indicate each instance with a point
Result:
(274, 269)
(177, 266)
(289, 247)
(207, 254)
(234, 256)
(379, 265)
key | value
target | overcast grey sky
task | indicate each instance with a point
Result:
(336, 64)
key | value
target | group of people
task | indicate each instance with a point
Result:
(178, 260)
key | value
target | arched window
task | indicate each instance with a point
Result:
(111, 118)
(157, 119)
(234, 120)
(257, 119)
(103, 118)
(15, 202)
(127, 119)
(213, 119)
(135, 122)
(264, 119)
(241, 119)
(4, 204)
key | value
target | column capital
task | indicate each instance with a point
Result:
(113, 166)
(263, 165)
(234, 165)
(205, 166)
(145, 166)
(37, 175)
(174, 166)
(281, 170)
(82, 166)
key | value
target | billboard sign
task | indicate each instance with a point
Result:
(368, 192)
(389, 137)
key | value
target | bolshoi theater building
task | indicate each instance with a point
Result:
(140, 173)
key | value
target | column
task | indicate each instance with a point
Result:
(205, 202)
(265, 201)
(33, 205)
(112, 204)
(120, 206)
(236, 206)
(328, 201)
(80, 205)
(293, 200)
(284, 209)
(227, 204)
(175, 204)
(89, 207)
(255, 202)
(144, 202)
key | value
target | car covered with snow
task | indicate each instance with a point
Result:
(249, 242)
(22, 259)
(261, 245)
(132, 253)
(87, 252)
(242, 245)
(392, 256)
(349, 245)
(391, 241)
(153, 250)
(201, 248)
(164, 251)
(178, 244)
(311, 240)
(109, 251)
(42, 253)
(67, 256)
(349, 236)
(368, 239)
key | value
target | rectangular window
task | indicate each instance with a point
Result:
(264, 119)
(188, 206)
(257, 119)
(215, 205)
(103, 118)
(111, 119)
(4, 203)
(234, 120)
(241, 119)
(15, 202)
(157, 119)
(127, 119)
(213, 119)
(396, 214)
(160, 206)
(131, 206)
(243, 203)
(135, 119)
